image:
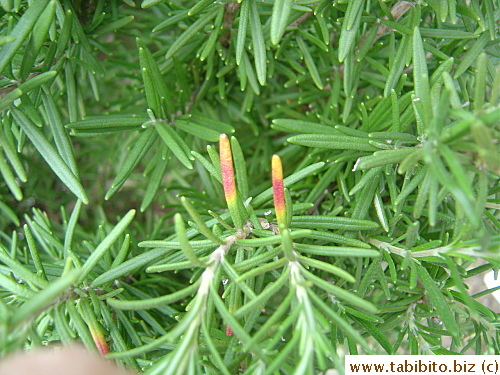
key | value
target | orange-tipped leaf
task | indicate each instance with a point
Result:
(278, 190)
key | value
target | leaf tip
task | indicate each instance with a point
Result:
(278, 189)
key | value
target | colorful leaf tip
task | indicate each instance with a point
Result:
(228, 181)
(278, 189)
(99, 341)
(226, 166)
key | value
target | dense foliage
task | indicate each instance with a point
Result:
(128, 222)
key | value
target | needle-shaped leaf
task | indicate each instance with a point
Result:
(481, 79)
(272, 240)
(231, 320)
(60, 134)
(340, 322)
(51, 156)
(37, 81)
(446, 34)
(411, 186)
(80, 326)
(257, 303)
(21, 31)
(242, 30)
(207, 122)
(311, 66)
(343, 294)
(421, 76)
(259, 46)
(380, 209)
(385, 157)
(337, 238)
(130, 265)
(155, 179)
(367, 177)
(438, 300)
(20, 271)
(8, 284)
(188, 35)
(300, 126)
(279, 19)
(154, 83)
(287, 243)
(45, 297)
(457, 170)
(376, 334)
(350, 28)
(450, 183)
(172, 19)
(330, 268)
(154, 302)
(34, 252)
(7, 100)
(334, 142)
(397, 65)
(240, 168)
(208, 166)
(8, 177)
(336, 251)
(9, 214)
(314, 40)
(197, 130)
(141, 146)
(107, 124)
(64, 33)
(173, 142)
(199, 7)
(202, 227)
(105, 245)
(210, 45)
(471, 55)
(186, 248)
(113, 26)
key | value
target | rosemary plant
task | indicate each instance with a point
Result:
(258, 187)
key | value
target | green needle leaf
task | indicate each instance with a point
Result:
(437, 299)
(348, 297)
(192, 30)
(154, 302)
(332, 222)
(174, 143)
(350, 28)
(202, 227)
(273, 240)
(105, 245)
(334, 142)
(259, 46)
(311, 66)
(336, 251)
(420, 74)
(334, 270)
(21, 32)
(45, 297)
(279, 19)
(50, 155)
(186, 248)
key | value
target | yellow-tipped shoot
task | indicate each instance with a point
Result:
(228, 181)
(278, 189)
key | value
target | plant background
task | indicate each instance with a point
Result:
(385, 115)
